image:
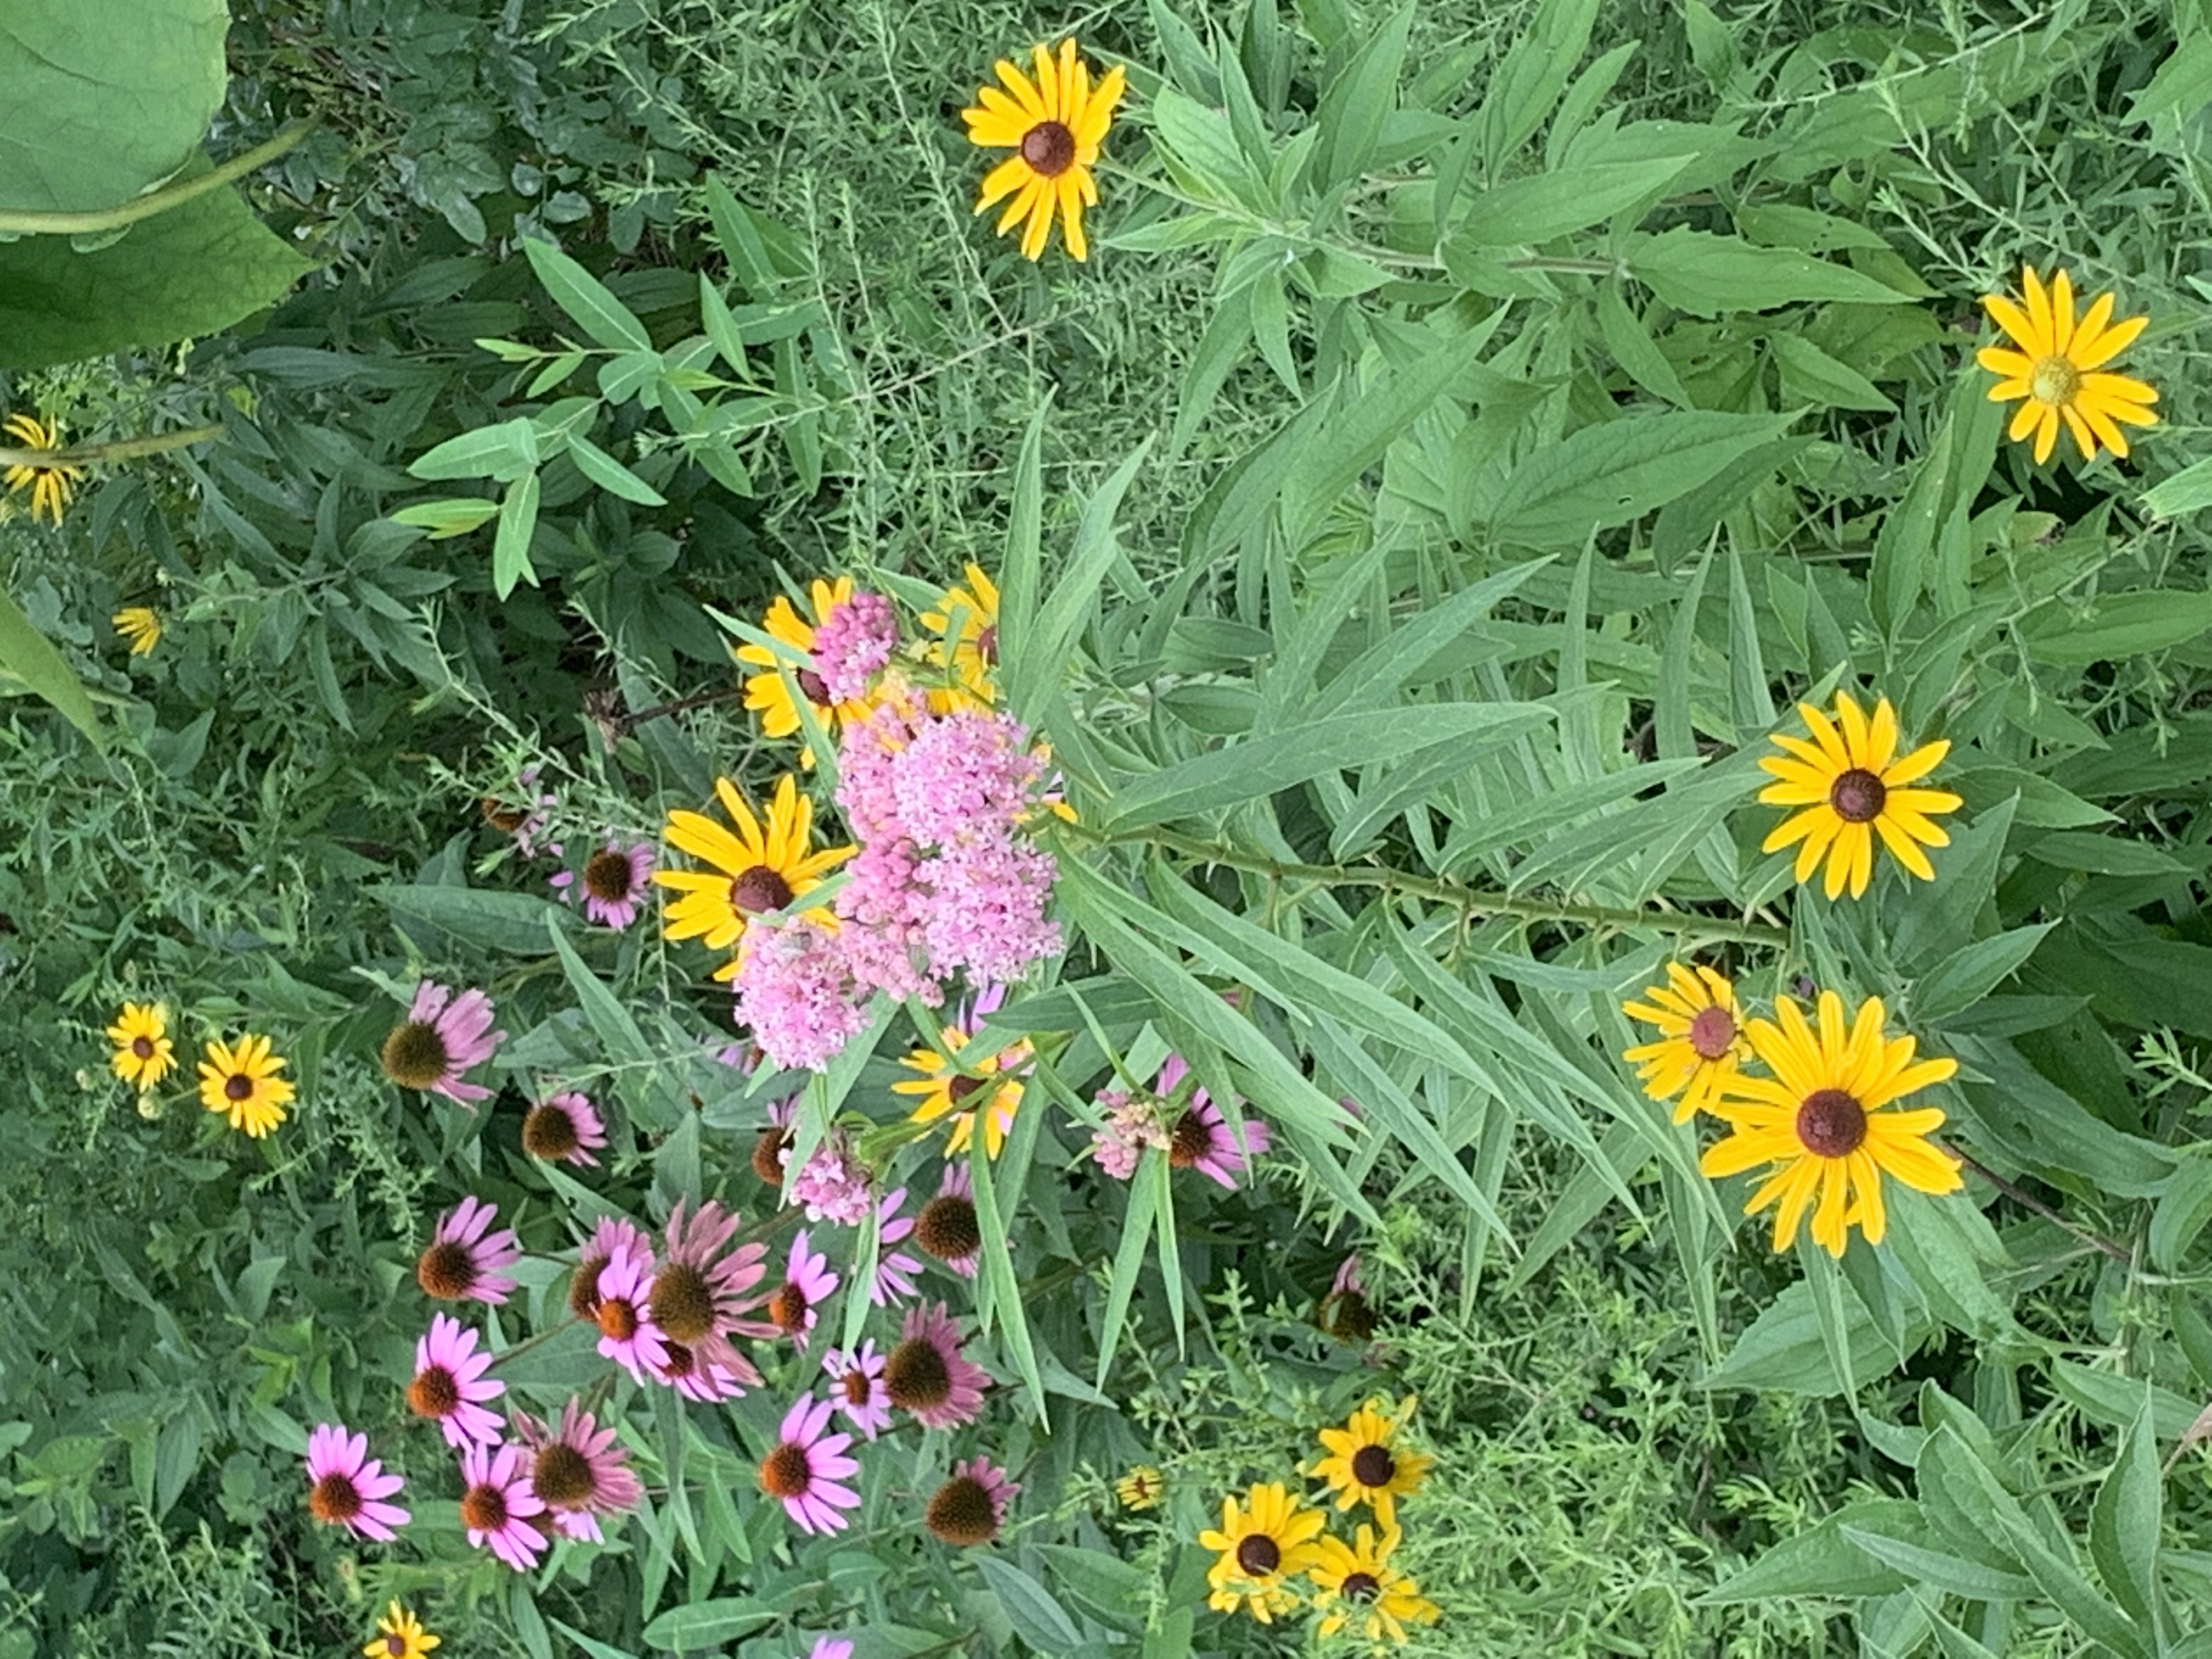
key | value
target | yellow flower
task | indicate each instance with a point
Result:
(767, 693)
(1366, 1462)
(1053, 125)
(1355, 1585)
(1852, 788)
(143, 1051)
(403, 1637)
(1141, 1488)
(140, 625)
(49, 483)
(243, 1083)
(976, 645)
(1818, 1120)
(1263, 1543)
(2053, 369)
(764, 866)
(950, 1082)
(1700, 1038)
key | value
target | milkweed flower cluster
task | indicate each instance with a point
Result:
(1191, 1130)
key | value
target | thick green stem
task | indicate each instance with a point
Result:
(1473, 901)
(173, 194)
(122, 449)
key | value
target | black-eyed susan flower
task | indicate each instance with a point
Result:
(1700, 1041)
(1852, 786)
(961, 1080)
(967, 620)
(1355, 1586)
(400, 1636)
(1264, 1543)
(1366, 1462)
(1141, 1488)
(139, 626)
(1818, 1122)
(1053, 125)
(50, 484)
(241, 1082)
(2054, 371)
(144, 1054)
(767, 691)
(770, 861)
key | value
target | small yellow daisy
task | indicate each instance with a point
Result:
(140, 625)
(1141, 1488)
(1355, 1585)
(50, 484)
(1264, 1543)
(144, 1054)
(2053, 371)
(242, 1083)
(1852, 788)
(402, 1637)
(1700, 1038)
(1053, 125)
(1365, 1461)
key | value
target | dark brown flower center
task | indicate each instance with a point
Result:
(916, 1377)
(785, 1472)
(961, 1512)
(434, 1393)
(1360, 1586)
(1831, 1123)
(415, 1056)
(143, 1047)
(483, 1507)
(854, 1382)
(1857, 796)
(1190, 1140)
(959, 1088)
(584, 1287)
(616, 1319)
(335, 1498)
(1050, 148)
(986, 645)
(1373, 1466)
(759, 888)
(1712, 1030)
(947, 1228)
(562, 1476)
(768, 1156)
(396, 1646)
(1351, 1317)
(680, 1363)
(814, 687)
(547, 1131)
(607, 876)
(1258, 1554)
(787, 1307)
(682, 1303)
(238, 1086)
(447, 1270)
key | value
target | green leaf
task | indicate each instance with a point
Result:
(704, 1625)
(1811, 375)
(1130, 1255)
(1360, 99)
(567, 1359)
(1822, 1561)
(510, 546)
(1705, 275)
(2191, 488)
(1200, 145)
(504, 450)
(2124, 1524)
(1958, 1575)
(1616, 470)
(514, 923)
(1523, 211)
(1965, 977)
(1004, 1300)
(607, 320)
(2182, 1209)
(627, 1049)
(29, 656)
(1783, 1349)
(1354, 437)
(1030, 1608)
(2113, 627)
(192, 270)
(456, 515)
(1260, 766)
(1105, 1583)
(2065, 1582)
(609, 474)
(1526, 85)
(99, 99)
(1032, 663)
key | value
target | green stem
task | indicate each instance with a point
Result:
(173, 194)
(122, 449)
(2028, 1200)
(1473, 901)
(1576, 267)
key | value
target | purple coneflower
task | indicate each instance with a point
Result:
(450, 1386)
(772, 1147)
(681, 1371)
(947, 1228)
(928, 1376)
(497, 1507)
(970, 1507)
(1201, 1139)
(577, 1471)
(463, 1261)
(627, 1334)
(614, 884)
(794, 1306)
(804, 1468)
(895, 1269)
(614, 1235)
(860, 1391)
(830, 1647)
(700, 1301)
(563, 1126)
(443, 1035)
(347, 1487)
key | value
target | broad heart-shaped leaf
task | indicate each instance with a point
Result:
(99, 99)
(1609, 474)
(194, 270)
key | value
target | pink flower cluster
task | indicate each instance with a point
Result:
(1195, 1137)
(853, 642)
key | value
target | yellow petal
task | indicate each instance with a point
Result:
(1071, 216)
(2061, 313)
(1025, 199)
(1025, 96)
(2024, 420)
(2038, 311)
(2015, 322)
(2084, 440)
(2046, 434)
(2109, 344)
(1998, 360)
(2122, 386)
(1918, 764)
